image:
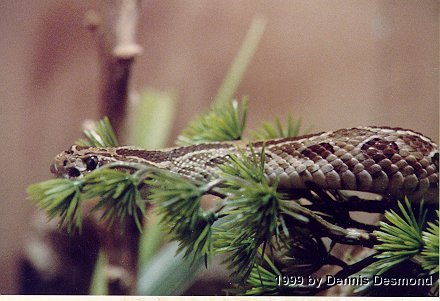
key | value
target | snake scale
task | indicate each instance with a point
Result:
(389, 161)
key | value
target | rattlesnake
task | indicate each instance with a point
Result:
(393, 162)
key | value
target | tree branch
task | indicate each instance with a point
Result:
(115, 36)
(338, 234)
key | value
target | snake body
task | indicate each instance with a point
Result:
(389, 161)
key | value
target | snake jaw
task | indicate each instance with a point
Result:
(57, 167)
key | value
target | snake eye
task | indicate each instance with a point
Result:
(91, 163)
(73, 172)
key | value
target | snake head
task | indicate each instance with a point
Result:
(77, 161)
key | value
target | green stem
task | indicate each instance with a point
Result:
(417, 259)
(339, 234)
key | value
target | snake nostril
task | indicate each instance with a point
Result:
(73, 172)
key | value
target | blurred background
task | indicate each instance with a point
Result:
(336, 64)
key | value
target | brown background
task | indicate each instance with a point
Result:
(335, 63)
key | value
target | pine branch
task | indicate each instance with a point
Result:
(273, 130)
(119, 193)
(115, 33)
(224, 122)
(302, 215)
(400, 238)
(430, 254)
(177, 201)
(59, 197)
(262, 281)
(251, 209)
(100, 134)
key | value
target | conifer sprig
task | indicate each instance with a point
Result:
(119, 193)
(100, 134)
(177, 201)
(430, 253)
(59, 197)
(224, 122)
(263, 280)
(400, 237)
(273, 130)
(252, 209)
(244, 166)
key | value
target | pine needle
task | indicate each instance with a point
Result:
(224, 122)
(177, 201)
(430, 253)
(273, 130)
(100, 135)
(59, 197)
(400, 239)
(119, 193)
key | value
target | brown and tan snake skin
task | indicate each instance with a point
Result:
(392, 162)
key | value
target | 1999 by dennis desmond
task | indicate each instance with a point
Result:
(330, 280)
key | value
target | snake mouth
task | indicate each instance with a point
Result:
(58, 169)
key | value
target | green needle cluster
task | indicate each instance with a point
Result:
(225, 121)
(430, 253)
(251, 209)
(119, 195)
(100, 135)
(273, 130)
(177, 201)
(262, 280)
(400, 237)
(59, 197)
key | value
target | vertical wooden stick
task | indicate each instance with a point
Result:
(115, 35)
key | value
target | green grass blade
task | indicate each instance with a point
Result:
(241, 62)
